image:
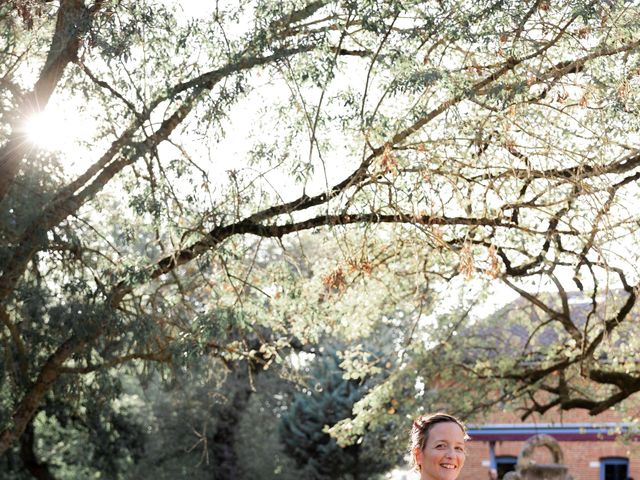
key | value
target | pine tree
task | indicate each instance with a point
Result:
(329, 398)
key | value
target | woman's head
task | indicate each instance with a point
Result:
(438, 446)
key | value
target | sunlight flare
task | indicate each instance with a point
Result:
(52, 130)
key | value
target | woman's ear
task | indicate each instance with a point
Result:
(417, 458)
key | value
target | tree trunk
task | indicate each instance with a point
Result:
(225, 457)
(28, 406)
(28, 455)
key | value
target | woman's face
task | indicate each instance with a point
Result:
(444, 452)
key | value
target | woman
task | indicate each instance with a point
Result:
(438, 446)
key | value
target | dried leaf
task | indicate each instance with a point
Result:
(494, 268)
(335, 280)
(466, 267)
(623, 89)
(562, 96)
(388, 162)
(584, 100)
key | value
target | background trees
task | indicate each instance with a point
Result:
(330, 398)
(257, 167)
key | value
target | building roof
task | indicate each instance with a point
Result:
(568, 432)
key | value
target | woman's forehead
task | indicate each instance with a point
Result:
(449, 431)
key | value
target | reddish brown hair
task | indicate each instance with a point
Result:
(421, 427)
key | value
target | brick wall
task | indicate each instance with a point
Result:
(580, 457)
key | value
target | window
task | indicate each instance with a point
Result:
(614, 468)
(504, 464)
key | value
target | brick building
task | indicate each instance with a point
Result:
(593, 447)
(601, 447)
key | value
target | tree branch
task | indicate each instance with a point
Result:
(73, 21)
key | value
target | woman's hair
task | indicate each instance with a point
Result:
(421, 427)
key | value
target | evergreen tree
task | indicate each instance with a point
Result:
(329, 398)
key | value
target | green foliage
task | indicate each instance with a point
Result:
(258, 176)
(257, 442)
(205, 417)
(328, 398)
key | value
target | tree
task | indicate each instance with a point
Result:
(215, 423)
(330, 398)
(262, 453)
(441, 138)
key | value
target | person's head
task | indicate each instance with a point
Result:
(438, 446)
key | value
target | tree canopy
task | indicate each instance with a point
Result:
(282, 169)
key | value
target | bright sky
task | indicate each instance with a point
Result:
(67, 122)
